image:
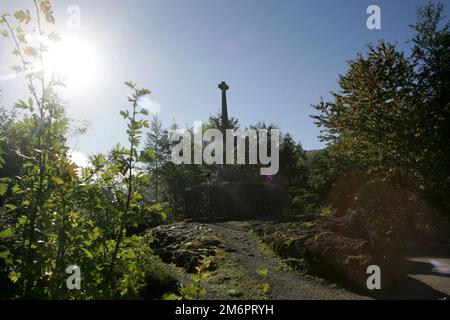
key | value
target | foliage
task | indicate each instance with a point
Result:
(195, 289)
(158, 154)
(369, 119)
(263, 286)
(54, 214)
(431, 60)
(161, 282)
(390, 122)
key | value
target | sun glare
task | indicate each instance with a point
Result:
(74, 59)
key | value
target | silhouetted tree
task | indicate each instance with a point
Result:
(158, 144)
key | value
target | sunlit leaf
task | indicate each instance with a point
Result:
(7, 233)
(30, 51)
(22, 221)
(54, 37)
(88, 253)
(262, 272)
(16, 189)
(23, 16)
(171, 297)
(50, 18)
(265, 287)
(10, 207)
(22, 38)
(14, 276)
(57, 180)
(21, 105)
(130, 84)
(3, 189)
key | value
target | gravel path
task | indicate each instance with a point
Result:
(243, 250)
(237, 254)
(427, 278)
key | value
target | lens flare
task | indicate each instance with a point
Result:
(74, 59)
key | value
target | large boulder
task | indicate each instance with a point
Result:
(324, 249)
(185, 244)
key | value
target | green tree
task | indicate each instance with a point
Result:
(370, 121)
(43, 126)
(292, 175)
(388, 127)
(158, 146)
(134, 133)
(431, 59)
(54, 214)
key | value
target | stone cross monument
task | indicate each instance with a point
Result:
(224, 87)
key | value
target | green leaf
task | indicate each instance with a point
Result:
(3, 189)
(130, 84)
(124, 114)
(265, 288)
(21, 105)
(7, 233)
(4, 33)
(170, 297)
(189, 290)
(54, 37)
(14, 276)
(22, 38)
(50, 18)
(30, 104)
(10, 207)
(22, 221)
(20, 15)
(23, 16)
(30, 51)
(57, 180)
(88, 253)
(5, 254)
(28, 164)
(16, 189)
(45, 6)
(262, 272)
(143, 92)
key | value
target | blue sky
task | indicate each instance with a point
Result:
(278, 57)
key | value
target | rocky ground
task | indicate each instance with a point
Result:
(237, 254)
(304, 261)
(315, 248)
(321, 248)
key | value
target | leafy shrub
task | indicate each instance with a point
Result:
(158, 283)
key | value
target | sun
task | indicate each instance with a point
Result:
(74, 59)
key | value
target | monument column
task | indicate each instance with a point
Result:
(224, 88)
(224, 125)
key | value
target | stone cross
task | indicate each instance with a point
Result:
(224, 87)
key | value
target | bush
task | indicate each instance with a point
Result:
(159, 282)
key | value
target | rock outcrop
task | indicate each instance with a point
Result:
(185, 244)
(323, 249)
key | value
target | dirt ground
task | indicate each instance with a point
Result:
(246, 255)
(240, 255)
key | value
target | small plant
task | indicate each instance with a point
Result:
(326, 211)
(196, 289)
(263, 286)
